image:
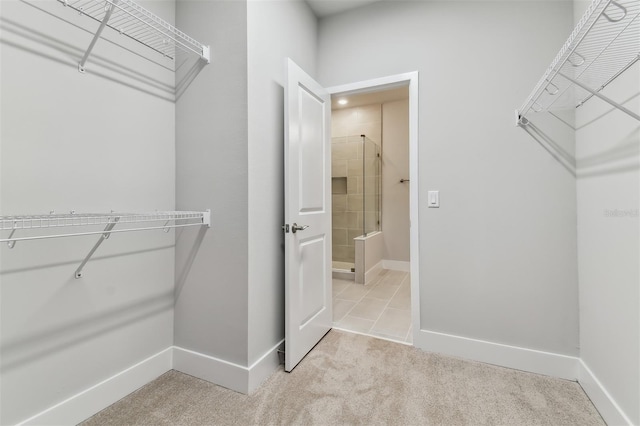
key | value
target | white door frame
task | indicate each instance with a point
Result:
(410, 78)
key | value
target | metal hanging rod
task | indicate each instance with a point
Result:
(169, 220)
(139, 24)
(604, 98)
(604, 44)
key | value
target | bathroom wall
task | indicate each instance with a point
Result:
(347, 165)
(608, 196)
(88, 142)
(498, 258)
(395, 195)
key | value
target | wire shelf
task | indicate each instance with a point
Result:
(164, 220)
(8, 223)
(604, 44)
(139, 24)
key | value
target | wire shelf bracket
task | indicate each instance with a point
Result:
(169, 220)
(132, 20)
(604, 44)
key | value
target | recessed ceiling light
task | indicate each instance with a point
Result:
(342, 101)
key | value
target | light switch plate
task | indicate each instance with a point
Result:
(433, 199)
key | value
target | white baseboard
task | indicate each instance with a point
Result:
(264, 367)
(534, 361)
(375, 270)
(396, 265)
(224, 373)
(603, 401)
(227, 374)
(246, 379)
(83, 405)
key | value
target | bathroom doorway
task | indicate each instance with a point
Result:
(371, 193)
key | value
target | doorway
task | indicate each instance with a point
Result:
(374, 161)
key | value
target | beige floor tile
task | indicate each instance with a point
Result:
(368, 308)
(381, 308)
(393, 322)
(407, 279)
(374, 280)
(355, 324)
(409, 338)
(393, 278)
(354, 292)
(402, 298)
(338, 286)
(382, 292)
(341, 308)
(378, 276)
(405, 289)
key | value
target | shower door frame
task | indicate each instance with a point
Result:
(409, 79)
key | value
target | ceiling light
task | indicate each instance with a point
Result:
(342, 101)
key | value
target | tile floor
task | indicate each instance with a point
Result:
(380, 308)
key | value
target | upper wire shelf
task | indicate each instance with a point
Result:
(139, 24)
(604, 44)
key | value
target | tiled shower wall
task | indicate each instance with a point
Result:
(347, 175)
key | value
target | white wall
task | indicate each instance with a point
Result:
(498, 258)
(395, 166)
(229, 142)
(211, 309)
(275, 30)
(88, 142)
(608, 185)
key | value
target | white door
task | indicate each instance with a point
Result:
(307, 181)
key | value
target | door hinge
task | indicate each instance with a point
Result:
(285, 228)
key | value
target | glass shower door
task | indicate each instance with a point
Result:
(356, 185)
(371, 186)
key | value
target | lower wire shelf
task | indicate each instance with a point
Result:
(164, 220)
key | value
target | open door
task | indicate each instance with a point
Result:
(307, 181)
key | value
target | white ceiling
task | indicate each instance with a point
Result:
(324, 8)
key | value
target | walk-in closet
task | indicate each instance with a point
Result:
(319, 212)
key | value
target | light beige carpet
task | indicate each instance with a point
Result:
(359, 380)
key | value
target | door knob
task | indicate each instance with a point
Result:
(295, 227)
